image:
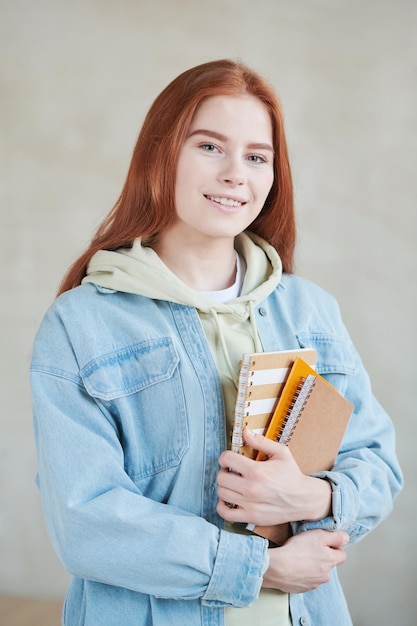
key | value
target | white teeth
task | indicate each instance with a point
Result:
(225, 201)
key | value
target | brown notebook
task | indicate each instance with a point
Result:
(311, 417)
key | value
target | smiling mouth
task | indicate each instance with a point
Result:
(225, 201)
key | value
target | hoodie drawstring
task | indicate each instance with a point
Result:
(255, 334)
(220, 334)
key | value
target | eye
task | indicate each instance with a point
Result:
(257, 158)
(208, 147)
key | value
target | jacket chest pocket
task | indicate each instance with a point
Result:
(140, 389)
(335, 357)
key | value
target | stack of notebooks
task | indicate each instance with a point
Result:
(281, 396)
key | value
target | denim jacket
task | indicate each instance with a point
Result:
(129, 425)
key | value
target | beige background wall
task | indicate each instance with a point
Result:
(76, 80)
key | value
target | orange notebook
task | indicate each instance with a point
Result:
(310, 417)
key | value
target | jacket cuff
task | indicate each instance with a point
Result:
(240, 564)
(344, 505)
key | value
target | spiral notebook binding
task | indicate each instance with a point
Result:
(241, 403)
(296, 407)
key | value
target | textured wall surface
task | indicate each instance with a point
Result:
(76, 80)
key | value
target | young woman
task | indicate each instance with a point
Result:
(134, 382)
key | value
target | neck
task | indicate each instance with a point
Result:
(209, 267)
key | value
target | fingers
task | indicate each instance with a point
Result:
(253, 486)
(267, 447)
(327, 538)
(337, 539)
(305, 561)
(231, 461)
(235, 493)
(324, 542)
(230, 496)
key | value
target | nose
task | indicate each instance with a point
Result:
(232, 172)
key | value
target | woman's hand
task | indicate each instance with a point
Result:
(305, 561)
(271, 491)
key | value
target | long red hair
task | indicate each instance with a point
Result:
(146, 205)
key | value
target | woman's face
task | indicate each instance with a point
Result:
(225, 168)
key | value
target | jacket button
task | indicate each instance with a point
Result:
(262, 311)
(303, 621)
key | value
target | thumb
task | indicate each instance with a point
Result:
(267, 448)
(338, 539)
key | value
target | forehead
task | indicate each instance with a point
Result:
(242, 113)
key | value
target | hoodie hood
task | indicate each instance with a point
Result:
(230, 327)
(139, 270)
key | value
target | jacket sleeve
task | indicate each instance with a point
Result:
(366, 476)
(101, 525)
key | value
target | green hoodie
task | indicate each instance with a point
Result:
(229, 327)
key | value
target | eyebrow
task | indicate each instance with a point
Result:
(220, 137)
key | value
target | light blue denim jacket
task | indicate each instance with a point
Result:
(129, 425)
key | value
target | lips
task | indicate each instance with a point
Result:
(229, 202)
